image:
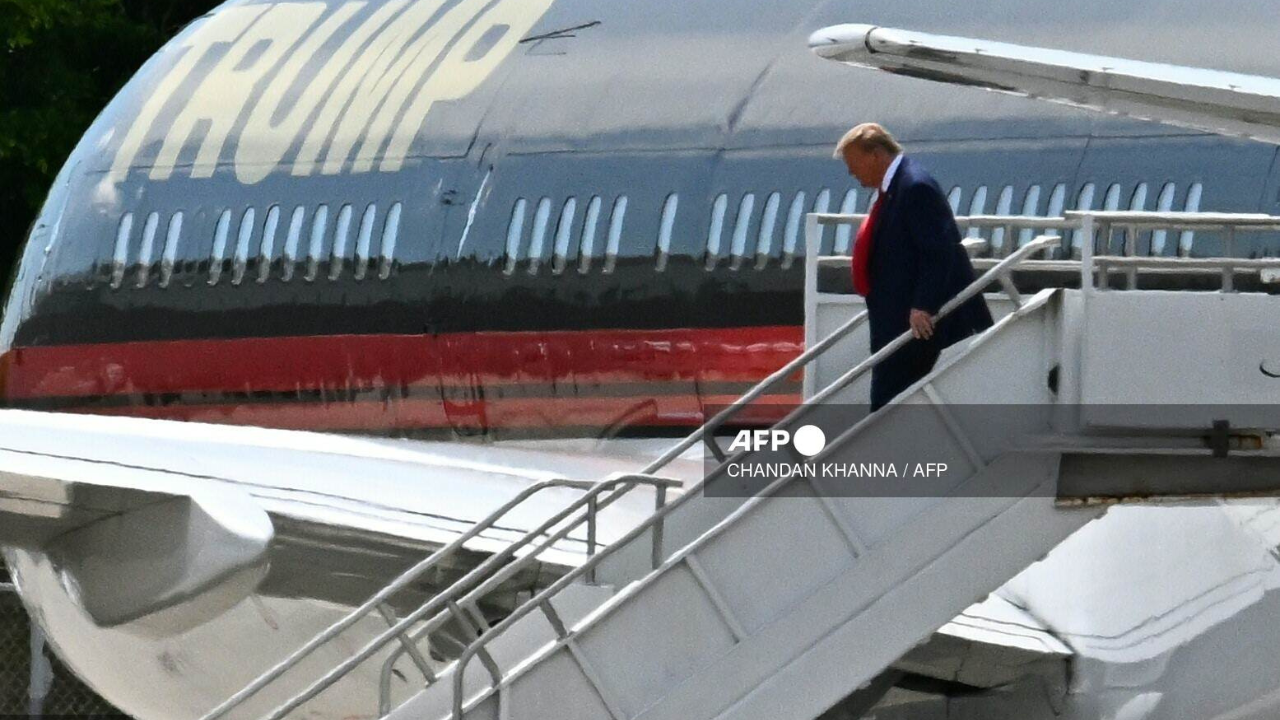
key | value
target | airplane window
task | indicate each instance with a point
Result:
(1192, 205)
(1112, 199)
(589, 225)
(718, 211)
(953, 198)
(170, 249)
(564, 233)
(1109, 203)
(1164, 203)
(121, 254)
(1139, 199)
(318, 226)
(615, 233)
(740, 227)
(844, 233)
(268, 250)
(1004, 205)
(768, 221)
(978, 206)
(390, 233)
(291, 242)
(822, 205)
(364, 240)
(148, 247)
(515, 231)
(240, 260)
(669, 209)
(791, 237)
(341, 235)
(1057, 201)
(1030, 207)
(1084, 201)
(540, 220)
(219, 247)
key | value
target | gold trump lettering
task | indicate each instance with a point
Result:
(344, 86)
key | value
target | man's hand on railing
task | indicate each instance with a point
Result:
(921, 324)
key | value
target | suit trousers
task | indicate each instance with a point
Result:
(902, 369)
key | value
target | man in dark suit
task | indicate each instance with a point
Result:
(907, 261)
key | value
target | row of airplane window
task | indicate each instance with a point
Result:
(1112, 199)
(742, 243)
(253, 245)
(589, 251)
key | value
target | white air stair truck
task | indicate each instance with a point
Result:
(784, 601)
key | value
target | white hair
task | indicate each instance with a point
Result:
(866, 137)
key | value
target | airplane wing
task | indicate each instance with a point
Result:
(1219, 102)
(176, 522)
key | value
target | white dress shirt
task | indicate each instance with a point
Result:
(888, 174)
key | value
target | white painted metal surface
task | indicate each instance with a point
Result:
(1220, 102)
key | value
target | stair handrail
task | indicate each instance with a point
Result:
(620, 485)
(376, 602)
(541, 601)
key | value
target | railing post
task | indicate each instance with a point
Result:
(659, 502)
(1011, 290)
(812, 243)
(1228, 273)
(1086, 253)
(592, 510)
(1131, 250)
(408, 644)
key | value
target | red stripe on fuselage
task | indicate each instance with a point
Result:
(581, 378)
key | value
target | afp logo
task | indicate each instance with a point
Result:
(808, 440)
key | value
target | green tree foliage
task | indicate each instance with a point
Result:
(61, 61)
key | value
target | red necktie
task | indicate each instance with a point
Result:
(862, 250)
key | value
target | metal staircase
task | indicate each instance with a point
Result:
(782, 601)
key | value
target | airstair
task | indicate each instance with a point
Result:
(777, 597)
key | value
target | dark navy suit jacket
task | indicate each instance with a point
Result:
(917, 262)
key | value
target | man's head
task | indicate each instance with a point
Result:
(868, 151)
